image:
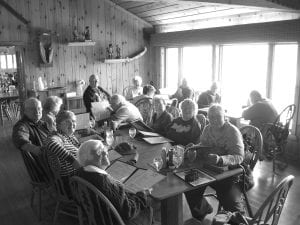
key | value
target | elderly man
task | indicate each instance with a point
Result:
(94, 93)
(30, 133)
(260, 112)
(227, 149)
(208, 97)
(123, 111)
(136, 90)
(148, 93)
(133, 208)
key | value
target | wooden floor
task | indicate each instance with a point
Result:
(15, 189)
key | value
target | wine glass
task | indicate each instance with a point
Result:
(109, 140)
(158, 163)
(132, 133)
(92, 123)
(192, 154)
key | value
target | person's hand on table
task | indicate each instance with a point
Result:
(214, 159)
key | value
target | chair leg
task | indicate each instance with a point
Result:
(32, 197)
(249, 209)
(40, 204)
(56, 212)
(80, 218)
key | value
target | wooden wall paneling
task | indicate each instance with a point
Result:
(119, 37)
(124, 50)
(107, 42)
(131, 4)
(131, 45)
(23, 8)
(88, 21)
(13, 23)
(81, 50)
(136, 44)
(113, 41)
(5, 17)
(101, 22)
(95, 37)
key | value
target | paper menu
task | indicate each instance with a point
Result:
(145, 133)
(142, 180)
(157, 140)
(101, 110)
(113, 155)
(120, 170)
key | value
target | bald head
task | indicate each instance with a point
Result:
(214, 87)
(116, 101)
(94, 153)
(93, 80)
(33, 109)
(216, 116)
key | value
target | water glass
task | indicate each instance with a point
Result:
(109, 140)
(158, 163)
(192, 155)
(132, 132)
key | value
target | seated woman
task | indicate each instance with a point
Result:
(136, 90)
(183, 92)
(64, 145)
(185, 129)
(161, 119)
(133, 208)
(51, 108)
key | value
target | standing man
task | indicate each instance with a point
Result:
(94, 93)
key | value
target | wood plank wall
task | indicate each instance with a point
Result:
(108, 24)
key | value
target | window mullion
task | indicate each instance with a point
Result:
(270, 70)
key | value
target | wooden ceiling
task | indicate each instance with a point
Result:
(175, 15)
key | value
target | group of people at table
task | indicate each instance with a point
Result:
(51, 128)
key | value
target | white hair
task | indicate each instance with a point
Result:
(31, 102)
(137, 78)
(189, 103)
(89, 152)
(216, 109)
(117, 99)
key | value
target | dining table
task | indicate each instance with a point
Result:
(169, 191)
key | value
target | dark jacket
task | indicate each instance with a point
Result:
(89, 97)
(206, 98)
(161, 123)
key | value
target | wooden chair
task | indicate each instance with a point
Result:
(277, 134)
(64, 203)
(253, 145)
(39, 178)
(145, 107)
(97, 207)
(270, 210)
(173, 109)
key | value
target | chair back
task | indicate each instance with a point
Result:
(270, 210)
(35, 168)
(145, 107)
(253, 143)
(53, 167)
(125, 91)
(280, 127)
(97, 207)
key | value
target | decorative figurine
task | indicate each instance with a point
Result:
(118, 50)
(75, 34)
(87, 35)
(109, 51)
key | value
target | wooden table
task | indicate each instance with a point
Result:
(168, 191)
(8, 96)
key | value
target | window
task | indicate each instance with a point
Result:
(171, 69)
(8, 61)
(244, 68)
(197, 67)
(284, 75)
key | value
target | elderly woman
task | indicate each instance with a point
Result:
(64, 145)
(185, 129)
(133, 208)
(161, 119)
(50, 110)
(227, 149)
(137, 88)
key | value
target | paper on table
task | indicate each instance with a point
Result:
(142, 180)
(120, 170)
(145, 133)
(113, 155)
(157, 140)
(82, 121)
(101, 110)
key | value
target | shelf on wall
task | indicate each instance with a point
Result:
(127, 59)
(81, 43)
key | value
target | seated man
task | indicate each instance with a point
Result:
(208, 97)
(185, 129)
(30, 132)
(183, 92)
(123, 111)
(148, 92)
(94, 93)
(227, 149)
(133, 208)
(136, 90)
(260, 112)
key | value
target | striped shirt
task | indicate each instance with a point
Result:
(65, 148)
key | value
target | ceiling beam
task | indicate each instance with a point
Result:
(14, 12)
(274, 4)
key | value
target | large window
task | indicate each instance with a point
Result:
(8, 61)
(244, 68)
(197, 67)
(171, 77)
(284, 75)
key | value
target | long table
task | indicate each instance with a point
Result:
(169, 190)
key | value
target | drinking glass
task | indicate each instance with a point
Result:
(177, 159)
(92, 123)
(192, 154)
(109, 140)
(109, 132)
(158, 163)
(132, 133)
